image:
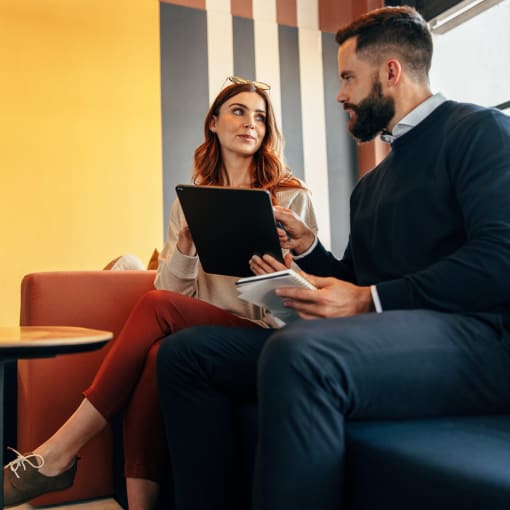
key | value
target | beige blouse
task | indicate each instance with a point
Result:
(184, 274)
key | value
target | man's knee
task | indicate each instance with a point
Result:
(288, 350)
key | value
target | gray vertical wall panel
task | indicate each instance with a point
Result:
(288, 42)
(184, 93)
(341, 150)
(244, 47)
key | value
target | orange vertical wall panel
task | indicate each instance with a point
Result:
(242, 8)
(360, 7)
(333, 14)
(286, 12)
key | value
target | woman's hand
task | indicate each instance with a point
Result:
(267, 264)
(185, 242)
(296, 236)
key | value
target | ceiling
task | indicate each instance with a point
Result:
(428, 8)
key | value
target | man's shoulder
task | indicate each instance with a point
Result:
(463, 121)
(453, 121)
(455, 111)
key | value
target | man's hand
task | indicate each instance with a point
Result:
(297, 236)
(333, 298)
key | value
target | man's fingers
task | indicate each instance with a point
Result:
(304, 309)
(299, 294)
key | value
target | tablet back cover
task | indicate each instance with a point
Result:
(229, 226)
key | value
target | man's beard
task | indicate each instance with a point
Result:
(372, 114)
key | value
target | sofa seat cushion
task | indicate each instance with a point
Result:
(459, 463)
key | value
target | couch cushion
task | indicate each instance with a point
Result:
(458, 463)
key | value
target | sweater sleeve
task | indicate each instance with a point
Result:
(176, 271)
(321, 262)
(476, 277)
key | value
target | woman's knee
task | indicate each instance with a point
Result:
(154, 298)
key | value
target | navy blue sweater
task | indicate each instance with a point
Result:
(430, 225)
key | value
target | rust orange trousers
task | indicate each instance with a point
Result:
(126, 380)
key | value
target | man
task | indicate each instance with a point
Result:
(429, 246)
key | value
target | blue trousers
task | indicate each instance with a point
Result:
(307, 379)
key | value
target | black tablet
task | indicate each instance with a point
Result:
(229, 226)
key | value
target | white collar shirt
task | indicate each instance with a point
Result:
(413, 118)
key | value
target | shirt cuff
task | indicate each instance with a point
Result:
(375, 299)
(307, 252)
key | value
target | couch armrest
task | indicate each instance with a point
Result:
(50, 389)
(94, 299)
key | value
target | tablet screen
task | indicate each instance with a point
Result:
(229, 226)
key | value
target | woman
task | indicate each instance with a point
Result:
(242, 148)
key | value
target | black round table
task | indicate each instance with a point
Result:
(41, 342)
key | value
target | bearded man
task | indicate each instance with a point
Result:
(413, 321)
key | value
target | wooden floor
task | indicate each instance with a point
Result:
(98, 504)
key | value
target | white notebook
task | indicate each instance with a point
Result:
(260, 291)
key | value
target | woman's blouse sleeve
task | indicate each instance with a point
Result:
(301, 204)
(176, 271)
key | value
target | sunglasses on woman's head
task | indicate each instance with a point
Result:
(259, 84)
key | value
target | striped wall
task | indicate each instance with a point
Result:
(275, 41)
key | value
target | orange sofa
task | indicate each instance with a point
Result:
(50, 389)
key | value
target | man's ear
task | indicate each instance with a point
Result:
(393, 71)
(212, 124)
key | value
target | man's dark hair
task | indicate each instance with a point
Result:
(400, 30)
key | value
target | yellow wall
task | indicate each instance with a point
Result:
(80, 137)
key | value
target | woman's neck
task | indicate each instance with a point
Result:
(238, 171)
